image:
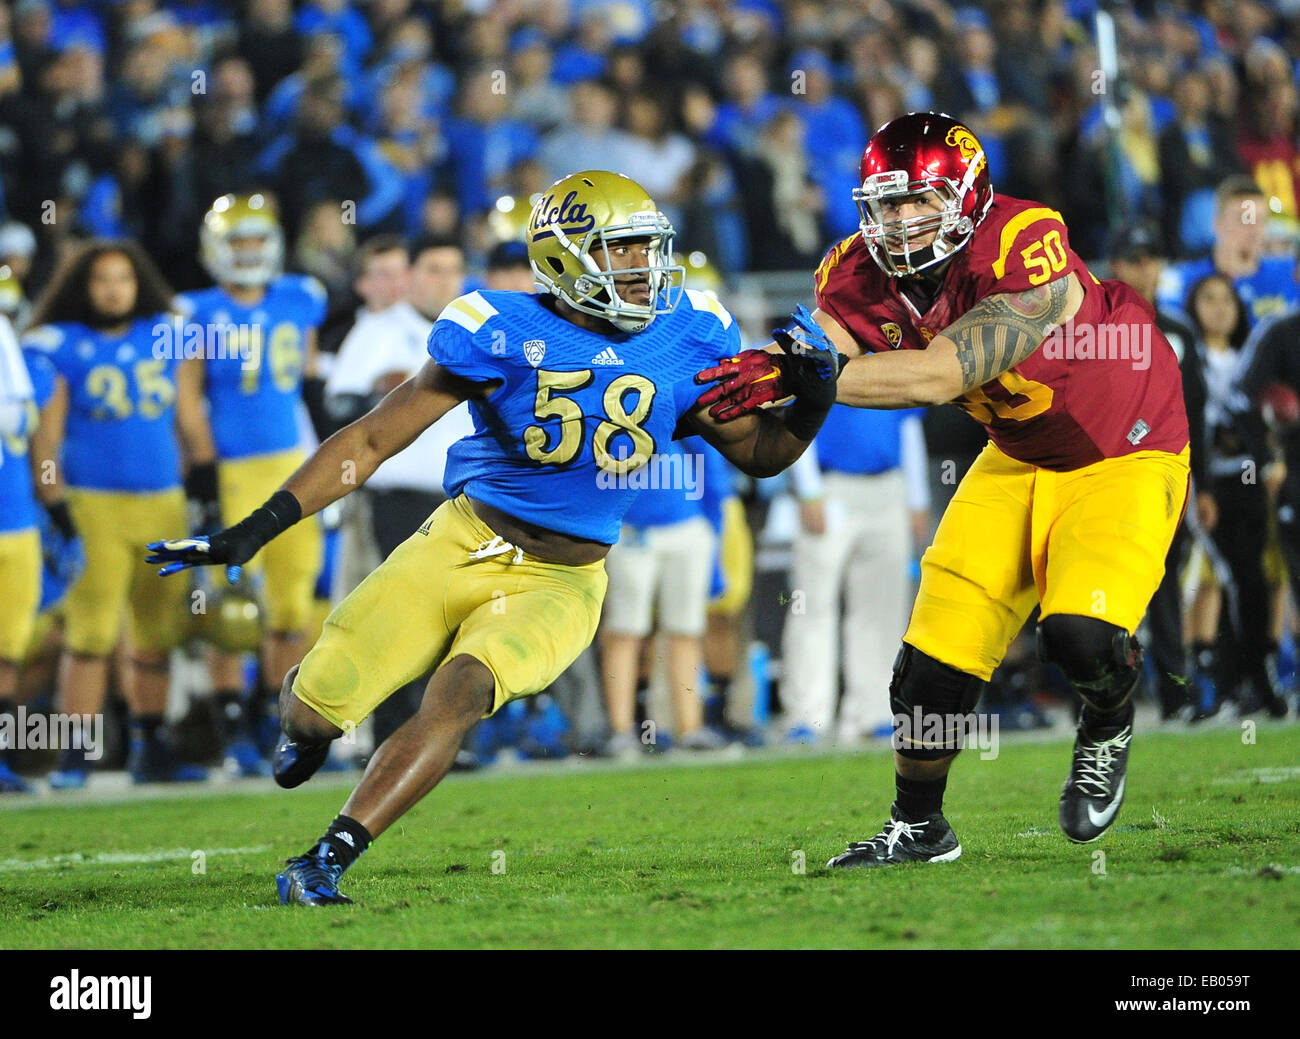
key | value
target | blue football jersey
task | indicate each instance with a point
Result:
(1271, 290)
(121, 428)
(254, 363)
(559, 443)
(17, 491)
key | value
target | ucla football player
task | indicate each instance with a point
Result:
(266, 321)
(123, 406)
(571, 389)
(21, 398)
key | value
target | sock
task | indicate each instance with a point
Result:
(344, 842)
(1104, 725)
(918, 798)
(715, 706)
(146, 726)
(232, 713)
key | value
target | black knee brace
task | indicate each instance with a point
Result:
(1101, 660)
(922, 690)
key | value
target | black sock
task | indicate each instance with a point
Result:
(344, 841)
(232, 713)
(146, 726)
(919, 798)
(1102, 725)
(715, 706)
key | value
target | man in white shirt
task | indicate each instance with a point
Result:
(380, 352)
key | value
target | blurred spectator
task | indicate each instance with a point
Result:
(407, 53)
(339, 17)
(508, 268)
(270, 44)
(589, 133)
(323, 157)
(654, 156)
(584, 57)
(748, 108)
(1239, 449)
(325, 248)
(784, 204)
(1196, 154)
(834, 131)
(535, 98)
(411, 142)
(864, 500)
(1266, 284)
(483, 142)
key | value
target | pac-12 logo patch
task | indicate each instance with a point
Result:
(534, 351)
(893, 333)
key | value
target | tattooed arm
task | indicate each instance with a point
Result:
(996, 334)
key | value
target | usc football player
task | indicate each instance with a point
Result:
(951, 292)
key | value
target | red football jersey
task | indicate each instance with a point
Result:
(1105, 384)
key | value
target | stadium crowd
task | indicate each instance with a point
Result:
(393, 150)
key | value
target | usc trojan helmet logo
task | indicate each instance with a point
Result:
(964, 141)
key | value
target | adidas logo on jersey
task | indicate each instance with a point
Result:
(607, 356)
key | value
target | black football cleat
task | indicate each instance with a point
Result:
(1094, 790)
(929, 840)
(293, 762)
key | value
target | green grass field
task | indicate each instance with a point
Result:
(1205, 854)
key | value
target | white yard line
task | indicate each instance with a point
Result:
(120, 858)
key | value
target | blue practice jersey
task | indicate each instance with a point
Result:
(688, 479)
(255, 362)
(862, 441)
(121, 428)
(1269, 291)
(550, 446)
(17, 491)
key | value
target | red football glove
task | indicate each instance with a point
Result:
(744, 383)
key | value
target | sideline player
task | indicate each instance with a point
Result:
(951, 292)
(501, 588)
(125, 415)
(254, 395)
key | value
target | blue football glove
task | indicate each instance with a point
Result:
(232, 547)
(183, 553)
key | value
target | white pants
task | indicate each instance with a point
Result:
(669, 567)
(863, 557)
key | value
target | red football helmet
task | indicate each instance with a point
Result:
(917, 156)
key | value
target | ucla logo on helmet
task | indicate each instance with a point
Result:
(534, 351)
(893, 333)
(964, 141)
(570, 215)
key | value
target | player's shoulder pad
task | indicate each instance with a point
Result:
(471, 311)
(832, 259)
(46, 338)
(708, 303)
(306, 285)
(1016, 219)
